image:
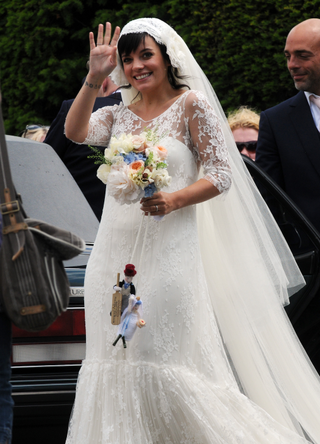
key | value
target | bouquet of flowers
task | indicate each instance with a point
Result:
(133, 166)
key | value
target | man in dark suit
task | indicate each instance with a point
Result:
(289, 151)
(75, 156)
(289, 141)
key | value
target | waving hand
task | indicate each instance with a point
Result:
(103, 58)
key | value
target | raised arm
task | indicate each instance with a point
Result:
(102, 62)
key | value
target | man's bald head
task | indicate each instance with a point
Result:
(310, 26)
(302, 51)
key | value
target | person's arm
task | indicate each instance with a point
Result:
(209, 143)
(102, 62)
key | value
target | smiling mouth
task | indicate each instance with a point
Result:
(143, 76)
(297, 76)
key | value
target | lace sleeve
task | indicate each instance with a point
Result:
(100, 125)
(208, 141)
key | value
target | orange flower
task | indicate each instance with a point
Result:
(159, 151)
(135, 166)
(162, 150)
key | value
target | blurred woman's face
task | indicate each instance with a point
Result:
(244, 135)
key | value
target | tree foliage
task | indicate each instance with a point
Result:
(44, 48)
(240, 46)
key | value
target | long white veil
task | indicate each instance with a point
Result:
(238, 232)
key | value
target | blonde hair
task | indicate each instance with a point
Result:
(243, 117)
(38, 134)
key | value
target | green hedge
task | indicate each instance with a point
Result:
(44, 48)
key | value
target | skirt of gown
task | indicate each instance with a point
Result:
(173, 383)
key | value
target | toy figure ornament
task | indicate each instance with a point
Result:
(123, 290)
(126, 308)
(130, 320)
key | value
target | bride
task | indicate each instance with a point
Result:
(218, 361)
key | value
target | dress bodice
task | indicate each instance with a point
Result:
(189, 120)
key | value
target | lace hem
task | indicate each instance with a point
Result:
(147, 405)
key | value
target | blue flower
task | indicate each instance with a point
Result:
(150, 190)
(132, 157)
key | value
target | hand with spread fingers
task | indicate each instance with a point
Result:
(103, 60)
(103, 57)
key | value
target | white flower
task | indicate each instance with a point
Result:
(121, 187)
(142, 179)
(117, 160)
(161, 178)
(139, 143)
(122, 144)
(103, 172)
(109, 153)
(176, 55)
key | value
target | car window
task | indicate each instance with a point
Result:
(48, 190)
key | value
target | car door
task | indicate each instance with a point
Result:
(304, 242)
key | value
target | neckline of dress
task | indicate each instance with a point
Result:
(150, 120)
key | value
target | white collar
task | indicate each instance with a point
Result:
(308, 94)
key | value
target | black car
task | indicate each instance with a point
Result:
(304, 241)
(45, 365)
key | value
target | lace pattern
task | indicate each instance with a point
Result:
(190, 120)
(169, 406)
(173, 384)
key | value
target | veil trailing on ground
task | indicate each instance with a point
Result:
(238, 232)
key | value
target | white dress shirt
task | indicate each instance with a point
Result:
(315, 111)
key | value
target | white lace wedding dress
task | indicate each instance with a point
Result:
(173, 383)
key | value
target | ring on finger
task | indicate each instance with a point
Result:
(157, 209)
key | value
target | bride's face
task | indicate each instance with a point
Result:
(145, 68)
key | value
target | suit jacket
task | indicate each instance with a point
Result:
(74, 156)
(126, 294)
(289, 151)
